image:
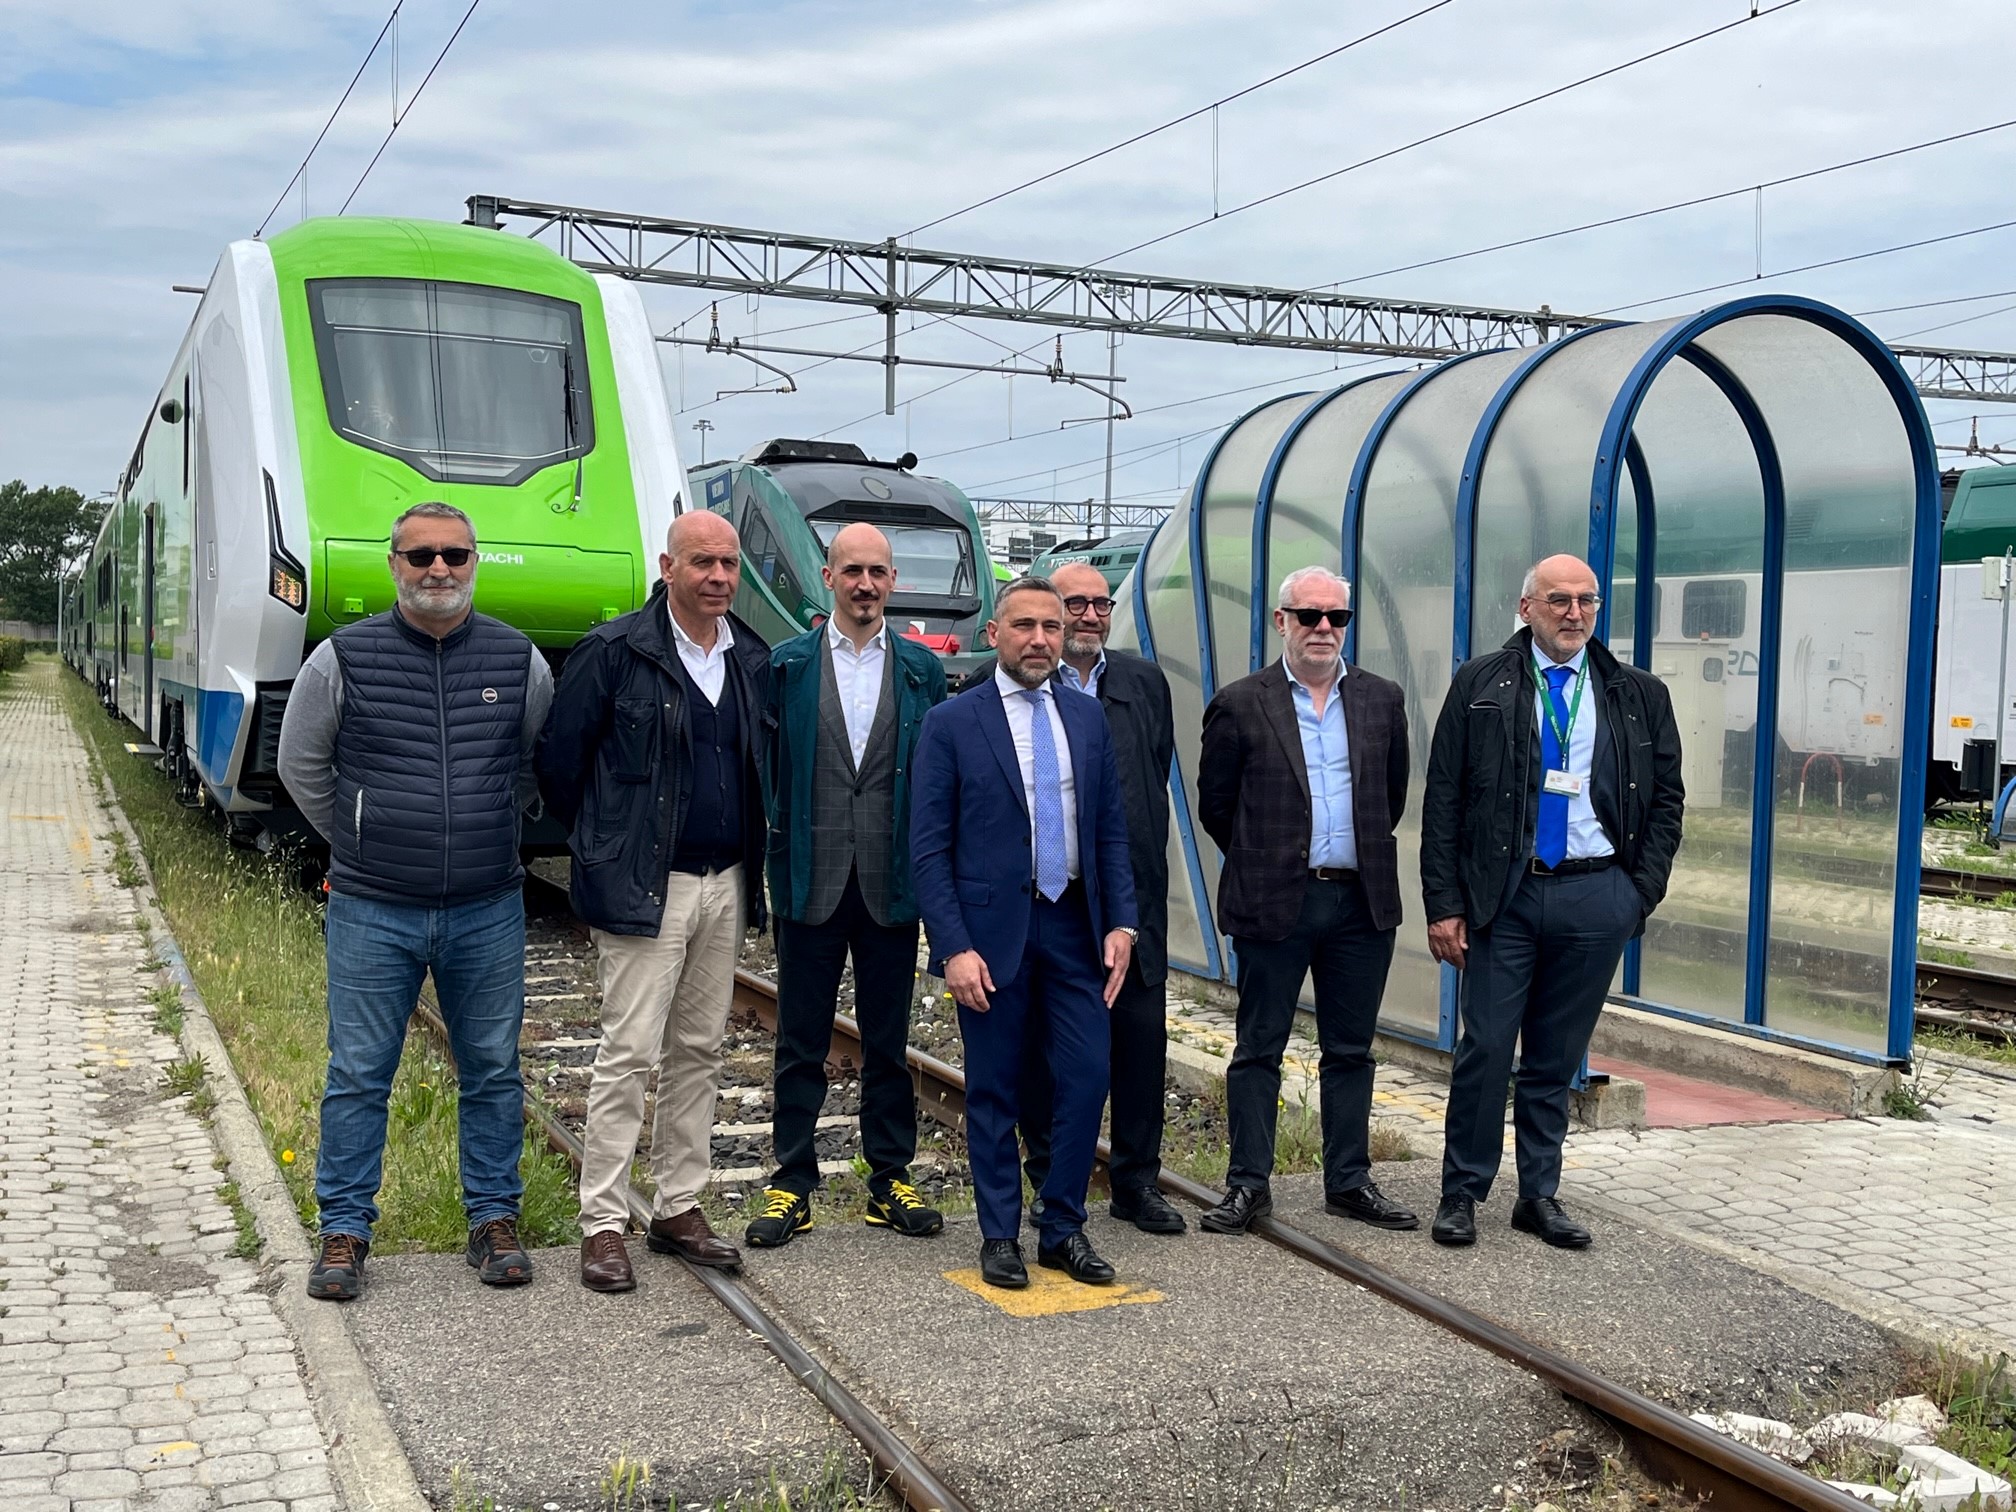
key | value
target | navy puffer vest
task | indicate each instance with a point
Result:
(427, 761)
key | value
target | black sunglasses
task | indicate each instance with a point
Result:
(423, 556)
(1309, 619)
(1078, 603)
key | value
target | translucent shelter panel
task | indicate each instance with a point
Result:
(1706, 546)
(1841, 659)
(1533, 485)
(1305, 516)
(1230, 492)
(1163, 578)
(1405, 603)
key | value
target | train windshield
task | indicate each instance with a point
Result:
(465, 384)
(933, 559)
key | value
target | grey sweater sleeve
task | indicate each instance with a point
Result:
(538, 704)
(308, 737)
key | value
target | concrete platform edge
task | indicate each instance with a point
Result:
(1740, 1060)
(365, 1454)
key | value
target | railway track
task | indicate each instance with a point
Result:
(1948, 882)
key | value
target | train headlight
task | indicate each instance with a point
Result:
(287, 585)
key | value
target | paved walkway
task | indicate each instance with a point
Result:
(1912, 1222)
(141, 1366)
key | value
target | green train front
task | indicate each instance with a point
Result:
(331, 378)
(788, 499)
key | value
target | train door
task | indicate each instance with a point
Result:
(147, 612)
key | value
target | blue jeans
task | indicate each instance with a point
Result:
(378, 955)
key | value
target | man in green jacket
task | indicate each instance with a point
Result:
(846, 700)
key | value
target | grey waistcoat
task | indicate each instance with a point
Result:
(853, 813)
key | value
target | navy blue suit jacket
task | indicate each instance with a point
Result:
(970, 851)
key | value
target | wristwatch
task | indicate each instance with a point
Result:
(1133, 935)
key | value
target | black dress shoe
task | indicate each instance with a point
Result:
(1543, 1216)
(1001, 1264)
(1455, 1222)
(1077, 1259)
(1370, 1205)
(1148, 1210)
(1236, 1213)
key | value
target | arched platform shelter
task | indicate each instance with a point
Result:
(1757, 490)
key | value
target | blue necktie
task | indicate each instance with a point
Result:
(1550, 830)
(1052, 877)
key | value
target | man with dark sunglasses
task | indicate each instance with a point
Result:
(407, 743)
(1302, 779)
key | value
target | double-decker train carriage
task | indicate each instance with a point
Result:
(333, 376)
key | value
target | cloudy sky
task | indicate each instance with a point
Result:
(137, 139)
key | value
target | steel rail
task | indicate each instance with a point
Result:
(1947, 882)
(900, 1466)
(1965, 987)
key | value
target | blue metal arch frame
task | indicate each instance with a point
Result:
(1361, 469)
(1644, 626)
(1263, 509)
(1923, 596)
(1212, 966)
(1200, 564)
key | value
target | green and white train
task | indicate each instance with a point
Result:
(333, 376)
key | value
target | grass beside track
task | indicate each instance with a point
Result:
(253, 942)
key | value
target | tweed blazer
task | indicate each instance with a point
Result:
(1253, 797)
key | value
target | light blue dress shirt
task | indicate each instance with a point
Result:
(1586, 839)
(1326, 752)
(1068, 675)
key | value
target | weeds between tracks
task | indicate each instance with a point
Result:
(253, 942)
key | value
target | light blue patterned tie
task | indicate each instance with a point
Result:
(1051, 875)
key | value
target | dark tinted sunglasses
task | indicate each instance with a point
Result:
(1078, 603)
(1310, 618)
(423, 556)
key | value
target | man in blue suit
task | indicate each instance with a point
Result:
(1018, 835)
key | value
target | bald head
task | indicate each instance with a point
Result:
(1558, 599)
(702, 568)
(861, 575)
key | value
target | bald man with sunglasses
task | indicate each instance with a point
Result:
(1302, 779)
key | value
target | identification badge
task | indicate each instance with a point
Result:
(1567, 784)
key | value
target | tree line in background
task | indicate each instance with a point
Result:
(41, 530)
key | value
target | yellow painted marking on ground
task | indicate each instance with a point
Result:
(1050, 1294)
(168, 1356)
(39, 818)
(180, 1446)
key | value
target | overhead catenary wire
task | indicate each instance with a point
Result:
(1448, 131)
(1174, 121)
(400, 119)
(321, 135)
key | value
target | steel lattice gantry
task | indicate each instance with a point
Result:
(891, 278)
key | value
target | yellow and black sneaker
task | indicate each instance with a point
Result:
(784, 1216)
(901, 1209)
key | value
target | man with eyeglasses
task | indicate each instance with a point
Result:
(1135, 697)
(1302, 779)
(407, 743)
(1548, 830)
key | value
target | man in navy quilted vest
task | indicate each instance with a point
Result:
(407, 743)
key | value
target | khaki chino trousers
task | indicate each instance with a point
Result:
(665, 1004)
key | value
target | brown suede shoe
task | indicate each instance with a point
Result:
(605, 1264)
(689, 1237)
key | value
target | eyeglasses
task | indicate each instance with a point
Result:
(423, 556)
(1560, 603)
(1309, 619)
(1078, 603)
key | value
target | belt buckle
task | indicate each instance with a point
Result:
(1538, 867)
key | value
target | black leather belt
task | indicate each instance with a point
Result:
(1333, 874)
(1540, 868)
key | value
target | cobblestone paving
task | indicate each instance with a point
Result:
(141, 1366)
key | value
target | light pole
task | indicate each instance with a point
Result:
(702, 426)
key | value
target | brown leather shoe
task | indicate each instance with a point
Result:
(689, 1237)
(605, 1264)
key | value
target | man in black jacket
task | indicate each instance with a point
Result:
(651, 761)
(1135, 696)
(1551, 818)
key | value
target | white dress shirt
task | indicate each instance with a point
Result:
(858, 677)
(1020, 725)
(1586, 839)
(708, 669)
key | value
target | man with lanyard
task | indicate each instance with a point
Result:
(1552, 814)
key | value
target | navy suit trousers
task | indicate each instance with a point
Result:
(1536, 975)
(1059, 985)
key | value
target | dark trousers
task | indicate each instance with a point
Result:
(809, 959)
(1537, 974)
(1335, 944)
(1060, 982)
(1138, 1023)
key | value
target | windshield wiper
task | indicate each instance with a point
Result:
(567, 410)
